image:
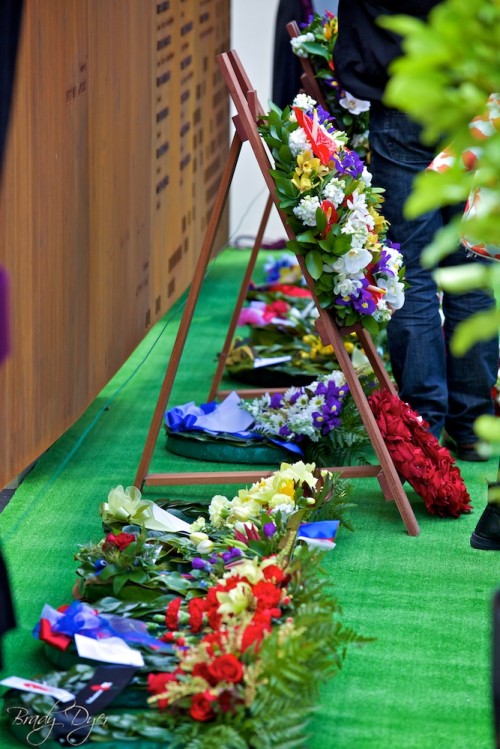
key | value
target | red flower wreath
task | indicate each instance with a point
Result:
(418, 457)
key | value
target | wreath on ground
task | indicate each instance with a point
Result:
(418, 457)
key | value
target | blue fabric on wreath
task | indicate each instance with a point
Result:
(79, 618)
(220, 418)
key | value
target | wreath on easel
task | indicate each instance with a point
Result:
(418, 457)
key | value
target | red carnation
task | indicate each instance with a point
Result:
(201, 706)
(157, 684)
(226, 668)
(268, 595)
(273, 573)
(172, 613)
(121, 541)
(196, 607)
(215, 641)
(254, 634)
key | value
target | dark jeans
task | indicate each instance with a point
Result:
(446, 391)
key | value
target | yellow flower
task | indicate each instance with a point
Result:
(308, 171)
(236, 600)
(300, 472)
(380, 223)
(317, 348)
(303, 183)
(249, 569)
(330, 29)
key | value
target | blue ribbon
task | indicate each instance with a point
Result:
(223, 418)
(81, 619)
(320, 530)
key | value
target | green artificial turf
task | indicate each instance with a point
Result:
(422, 683)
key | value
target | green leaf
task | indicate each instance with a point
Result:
(118, 583)
(370, 324)
(314, 264)
(321, 221)
(306, 237)
(316, 49)
(108, 571)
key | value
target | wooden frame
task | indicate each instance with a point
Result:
(248, 112)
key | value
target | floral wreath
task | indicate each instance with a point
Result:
(418, 457)
(325, 191)
(316, 42)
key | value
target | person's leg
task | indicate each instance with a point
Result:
(472, 376)
(415, 335)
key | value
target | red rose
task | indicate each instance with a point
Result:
(226, 701)
(418, 457)
(172, 613)
(121, 541)
(201, 706)
(201, 669)
(226, 668)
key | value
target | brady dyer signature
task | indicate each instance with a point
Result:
(73, 719)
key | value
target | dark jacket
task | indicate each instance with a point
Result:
(363, 49)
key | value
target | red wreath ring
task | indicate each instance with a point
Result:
(418, 457)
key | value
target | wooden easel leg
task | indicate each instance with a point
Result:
(240, 301)
(194, 292)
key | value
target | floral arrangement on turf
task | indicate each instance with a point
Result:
(316, 42)
(419, 458)
(321, 418)
(310, 412)
(244, 637)
(326, 194)
(283, 269)
(318, 421)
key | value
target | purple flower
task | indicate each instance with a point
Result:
(364, 302)
(232, 553)
(321, 389)
(350, 164)
(198, 563)
(295, 396)
(269, 529)
(381, 265)
(284, 431)
(276, 400)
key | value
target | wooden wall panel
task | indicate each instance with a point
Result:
(119, 132)
(119, 178)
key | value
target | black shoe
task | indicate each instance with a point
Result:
(486, 534)
(464, 452)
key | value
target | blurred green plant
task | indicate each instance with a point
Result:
(443, 81)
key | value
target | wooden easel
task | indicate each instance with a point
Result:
(311, 87)
(307, 79)
(248, 112)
